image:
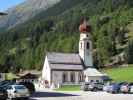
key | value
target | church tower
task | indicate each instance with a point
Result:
(85, 43)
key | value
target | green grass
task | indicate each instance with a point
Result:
(121, 74)
(69, 88)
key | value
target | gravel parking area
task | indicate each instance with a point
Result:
(51, 95)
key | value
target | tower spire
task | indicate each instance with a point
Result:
(84, 26)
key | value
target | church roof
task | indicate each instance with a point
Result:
(66, 67)
(65, 61)
(64, 58)
(93, 72)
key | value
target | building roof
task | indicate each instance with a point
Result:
(64, 58)
(65, 61)
(92, 72)
(29, 76)
(66, 67)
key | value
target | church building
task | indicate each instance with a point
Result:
(71, 68)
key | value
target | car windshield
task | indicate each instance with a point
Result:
(20, 87)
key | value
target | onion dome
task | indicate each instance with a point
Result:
(84, 27)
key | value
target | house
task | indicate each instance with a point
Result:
(28, 75)
(70, 68)
(2, 77)
(93, 75)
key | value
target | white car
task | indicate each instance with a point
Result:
(124, 88)
(106, 88)
(17, 91)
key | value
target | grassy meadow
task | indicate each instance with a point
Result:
(121, 73)
(69, 88)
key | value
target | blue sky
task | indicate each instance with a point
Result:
(4, 4)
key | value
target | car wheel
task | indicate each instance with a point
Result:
(95, 89)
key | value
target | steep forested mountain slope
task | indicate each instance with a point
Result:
(56, 29)
(25, 11)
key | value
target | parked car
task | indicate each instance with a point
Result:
(124, 88)
(3, 94)
(114, 88)
(5, 84)
(131, 88)
(84, 86)
(30, 86)
(95, 86)
(17, 91)
(106, 87)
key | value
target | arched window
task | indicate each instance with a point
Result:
(72, 77)
(64, 77)
(87, 35)
(80, 77)
(88, 45)
(81, 45)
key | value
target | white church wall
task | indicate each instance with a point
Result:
(88, 59)
(46, 72)
(84, 35)
(57, 77)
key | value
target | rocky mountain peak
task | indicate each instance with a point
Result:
(24, 11)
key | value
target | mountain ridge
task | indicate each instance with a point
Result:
(24, 11)
(56, 29)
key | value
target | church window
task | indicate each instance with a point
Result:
(88, 45)
(80, 77)
(81, 45)
(72, 77)
(87, 35)
(64, 77)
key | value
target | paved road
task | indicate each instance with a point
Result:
(50, 95)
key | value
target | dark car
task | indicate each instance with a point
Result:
(84, 86)
(30, 86)
(115, 87)
(5, 84)
(95, 86)
(3, 94)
